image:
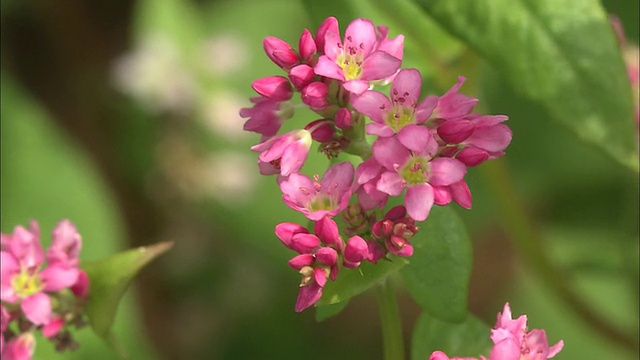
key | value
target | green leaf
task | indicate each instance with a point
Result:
(327, 311)
(109, 279)
(178, 20)
(353, 282)
(563, 54)
(469, 338)
(437, 276)
(320, 10)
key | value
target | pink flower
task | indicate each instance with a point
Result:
(284, 154)
(415, 169)
(391, 117)
(266, 116)
(452, 105)
(395, 230)
(23, 280)
(367, 176)
(21, 347)
(511, 340)
(318, 257)
(277, 88)
(358, 60)
(317, 199)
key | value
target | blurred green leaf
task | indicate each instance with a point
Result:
(109, 279)
(469, 338)
(320, 10)
(561, 53)
(179, 20)
(353, 282)
(437, 276)
(327, 311)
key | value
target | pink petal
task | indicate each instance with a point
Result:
(295, 155)
(356, 249)
(37, 308)
(425, 108)
(307, 296)
(419, 200)
(472, 156)
(415, 137)
(327, 230)
(382, 130)
(441, 195)
(391, 183)
(368, 170)
(328, 68)
(555, 349)
(338, 178)
(320, 276)
(306, 45)
(297, 190)
(373, 104)
(455, 131)
(491, 138)
(505, 349)
(302, 260)
(333, 45)
(356, 86)
(461, 194)
(81, 288)
(327, 256)
(407, 85)
(285, 231)
(57, 277)
(379, 65)
(304, 243)
(360, 34)
(390, 153)
(50, 329)
(330, 24)
(446, 171)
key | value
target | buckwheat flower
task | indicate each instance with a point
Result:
(21, 347)
(266, 116)
(284, 154)
(317, 199)
(395, 230)
(417, 171)
(452, 104)
(356, 61)
(367, 176)
(24, 282)
(396, 115)
(274, 87)
(512, 341)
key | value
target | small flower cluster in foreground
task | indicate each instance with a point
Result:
(421, 147)
(36, 297)
(511, 341)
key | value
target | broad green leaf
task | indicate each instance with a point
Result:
(469, 338)
(109, 279)
(563, 54)
(327, 311)
(437, 276)
(353, 282)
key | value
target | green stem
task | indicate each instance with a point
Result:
(390, 321)
(530, 247)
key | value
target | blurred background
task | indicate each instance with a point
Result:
(122, 116)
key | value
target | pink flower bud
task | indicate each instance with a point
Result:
(327, 256)
(302, 260)
(315, 94)
(472, 156)
(301, 76)
(455, 131)
(461, 194)
(441, 195)
(343, 118)
(304, 243)
(280, 52)
(355, 251)
(396, 213)
(307, 46)
(81, 288)
(320, 276)
(399, 246)
(285, 231)
(321, 130)
(274, 87)
(327, 230)
(376, 252)
(329, 25)
(50, 329)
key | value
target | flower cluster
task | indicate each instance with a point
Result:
(36, 297)
(511, 341)
(420, 152)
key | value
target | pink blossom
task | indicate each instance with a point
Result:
(395, 230)
(280, 52)
(283, 154)
(452, 104)
(358, 60)
(23, 279)
(317, 199)
(273, 87)
(392, 116)
(355, 251)
(21, 347)
(417, 171)
(367, 176)
(266, 116)
(315, 95)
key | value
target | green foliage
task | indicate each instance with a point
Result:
(110, 278)
(438, 273)
(546, 50)
(353, 282)
(468, 338)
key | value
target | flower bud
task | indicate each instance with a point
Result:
(355, 251)
(472, 156)
(321, 130)
(315, 94)
(280, 52)
(300, 261)
(301, 76)
(343, 118)
(327, 256)
(304, 243)
(274, 87)
(455, 131)
(307, 46)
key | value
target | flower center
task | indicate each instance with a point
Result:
(351, 59)
(401, 117)
(416, 171)
(26, 284)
